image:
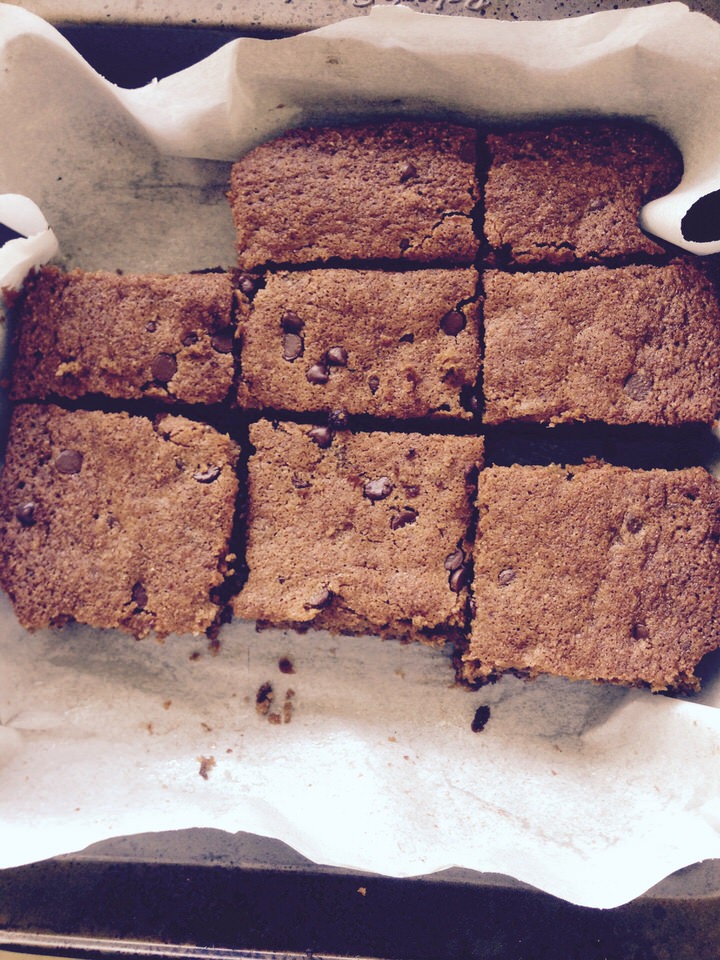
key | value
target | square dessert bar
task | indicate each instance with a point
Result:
(361, 532)
(596, 573)
(397, 190)
(125, 336)
(635, 344)
(115, 521)
(573, 193)
(392, 344)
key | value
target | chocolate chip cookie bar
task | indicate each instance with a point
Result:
(387, 343)
(614, 578)
(125, 336)
(571, 194)
(634, 344)
(398, 190)
(115, 521)
(358, 533)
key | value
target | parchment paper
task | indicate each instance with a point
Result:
(590, 792)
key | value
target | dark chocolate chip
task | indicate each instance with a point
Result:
(319, 600)
(151, 326)
(454, 560)
(247, 284)
(338, 420)
(291, 322)
(640, 631)
(222, 342)
(634, 524)
(26, 513)
(374, 383)
(300, 483)
(407, 515)
(459, 578)
(207, 476)
(482, 715)
(404, 244)
(285, 665)
(453, 322)
(317, 374)
(322, 436)
(378, 489)
(164, 367)
(407, 171)
(411, 490)
(139, 595)
(506, 577)
(407, 338)
(292, 346)
(638, 386)
(337, 356)
(189, 339)
(69, 461)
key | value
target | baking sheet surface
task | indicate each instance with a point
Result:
(590, 792)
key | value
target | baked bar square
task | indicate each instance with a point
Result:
(635, 344)
(125, 336)
(359, 533)
(398, 190)
(572, 193)
(389, 343)
(115, 521)
(596, 572)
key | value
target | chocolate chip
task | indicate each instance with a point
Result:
(285, 665)
(634, 524)
(189, 339)
(453, 561)
(319, 600)
(164, 367)
(337, 356)
(640, 631)
(378, 489)
(207, 476)
(139, 595)
(373, 383)
(69, 461)
(482, 715)
(322, 436)
(26, 513)
(407, 338)
(338, 420)
(404, 244)
(317, 374)
(292, 346)
(407, 171)
(638, 386)
(300, 483)
(407, 515)
(222, 342)
(459, 578)
(247, 284)
(453, 322)
(506, 577)
(291, 322)
(151, 326)
(411, 490)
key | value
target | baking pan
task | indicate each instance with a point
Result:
(205, 893)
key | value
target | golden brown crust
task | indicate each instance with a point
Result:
(115, 521)
(354, 536)
(596, 573)
(401, 190)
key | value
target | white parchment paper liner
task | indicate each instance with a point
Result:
(592, 793)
